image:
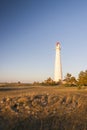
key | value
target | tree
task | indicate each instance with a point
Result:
(73, 80)
(49, 81)
(68, 77)
(82, 78)
(70, 80)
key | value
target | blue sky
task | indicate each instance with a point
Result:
(29, 30)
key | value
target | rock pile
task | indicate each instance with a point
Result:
(43, 109)
(39, 105)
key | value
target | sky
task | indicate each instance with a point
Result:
(29, 30)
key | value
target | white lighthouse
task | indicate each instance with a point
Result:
(58, 65)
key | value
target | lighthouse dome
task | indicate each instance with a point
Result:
(57, 43)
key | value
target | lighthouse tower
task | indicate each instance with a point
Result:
(58, 65)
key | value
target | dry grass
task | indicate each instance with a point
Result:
(43, 108)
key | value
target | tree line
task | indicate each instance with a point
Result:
(80, 81)
(69, 80)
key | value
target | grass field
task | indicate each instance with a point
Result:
(43, 108)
